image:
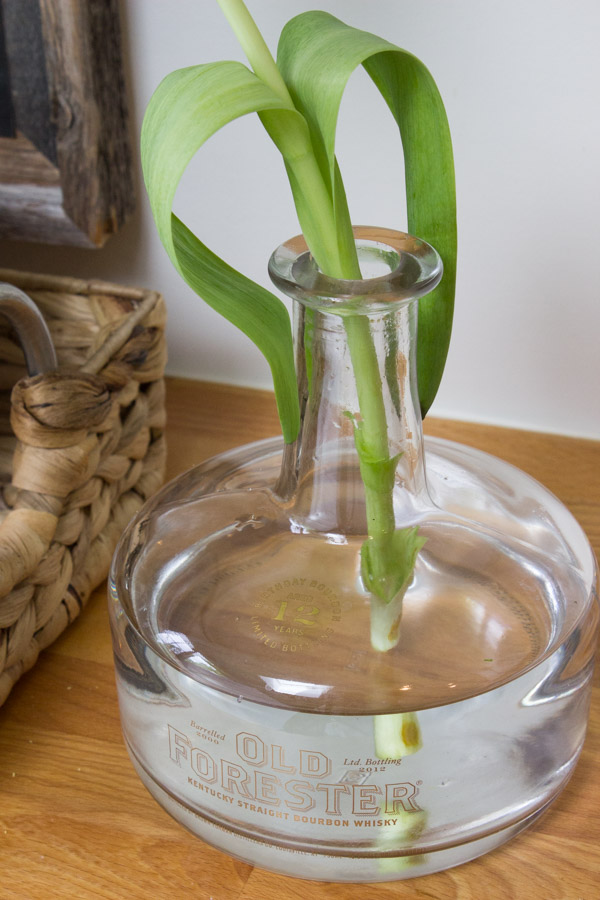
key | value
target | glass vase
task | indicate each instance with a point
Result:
(361, 656)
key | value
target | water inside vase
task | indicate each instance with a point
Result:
(272, 612)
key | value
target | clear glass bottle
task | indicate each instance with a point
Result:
(291, 689)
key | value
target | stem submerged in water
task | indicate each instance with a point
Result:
(396, 735)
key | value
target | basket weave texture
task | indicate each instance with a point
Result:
(81, 449)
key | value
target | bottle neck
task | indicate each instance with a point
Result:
(325, 472)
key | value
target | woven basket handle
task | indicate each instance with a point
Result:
(32, 331)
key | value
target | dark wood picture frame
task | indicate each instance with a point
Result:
(65, 158)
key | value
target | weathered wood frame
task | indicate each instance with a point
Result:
(65, 175)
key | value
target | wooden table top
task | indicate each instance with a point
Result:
(75, 821)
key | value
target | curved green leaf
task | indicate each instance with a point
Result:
(317, 53)
(187, 108)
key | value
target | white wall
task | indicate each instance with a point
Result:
(520, 81)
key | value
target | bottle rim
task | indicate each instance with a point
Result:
(400, 268)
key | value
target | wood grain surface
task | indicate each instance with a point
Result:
(75, 822)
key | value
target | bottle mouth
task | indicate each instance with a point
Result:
(397, 269)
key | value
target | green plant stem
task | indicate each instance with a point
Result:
(373, 427)
(253, 44)
(332, 244)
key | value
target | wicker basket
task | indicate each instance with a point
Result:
(80, 450)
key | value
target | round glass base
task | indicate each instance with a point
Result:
(258, 713)
(328, 867)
